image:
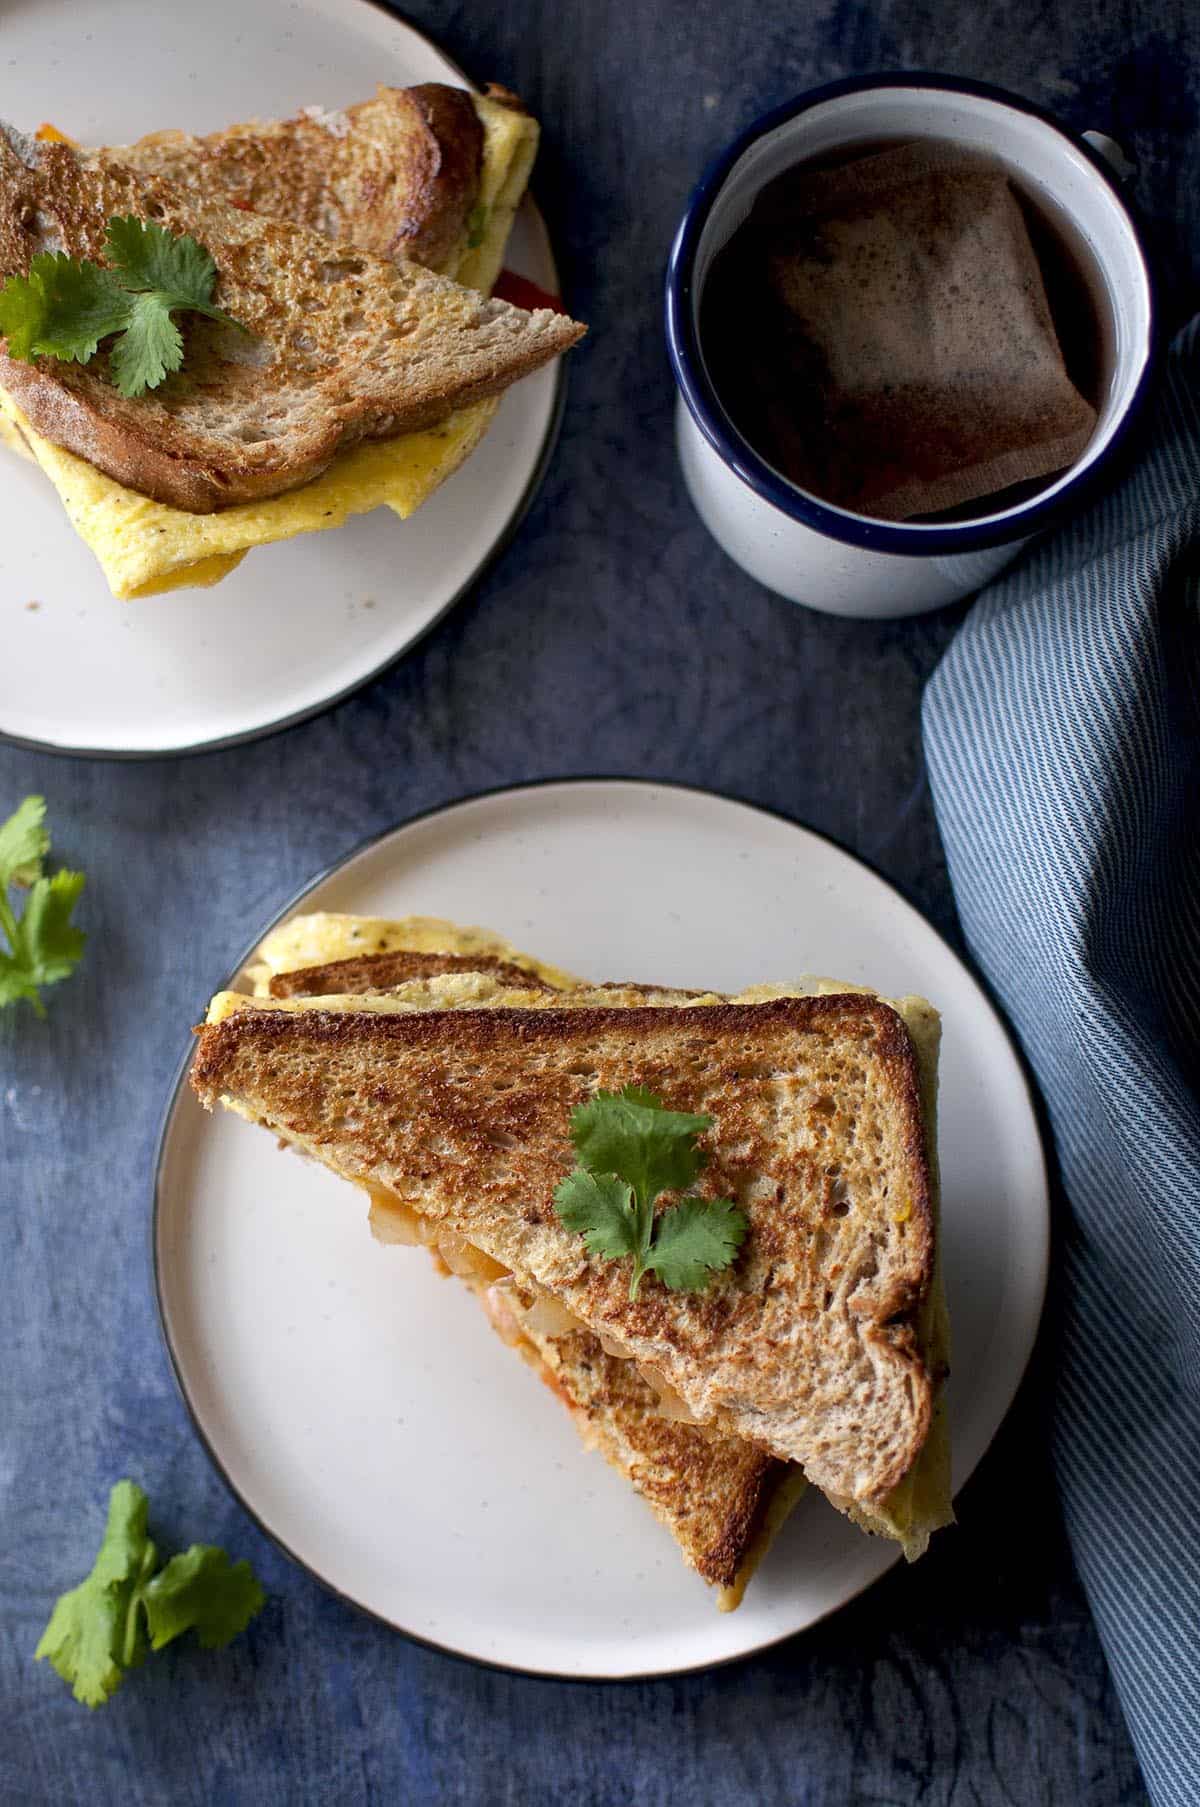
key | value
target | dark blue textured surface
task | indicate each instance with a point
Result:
(612, 636)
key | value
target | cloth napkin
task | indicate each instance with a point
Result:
(1062, 734)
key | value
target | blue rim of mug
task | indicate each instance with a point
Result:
(708, 412)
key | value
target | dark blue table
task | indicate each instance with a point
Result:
(611, 637)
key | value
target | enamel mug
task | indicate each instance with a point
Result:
(828, 557)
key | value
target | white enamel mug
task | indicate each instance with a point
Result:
(828, 557)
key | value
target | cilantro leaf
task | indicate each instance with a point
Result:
(601, 1206)
(65, 306)
(48, 941)
(693, 1240)
(144, 255)
(44, 945)
(148, 350)
(630, 1133)
(631, 1149)
(94, 1633)
(165, 274)
(99, 1629)
(178, 272)
(24, 843)
(61, 309)
(201, 1589)
(22, 308)
(15, 985)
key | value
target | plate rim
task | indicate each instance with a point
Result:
(178, 1085)
(309, 712)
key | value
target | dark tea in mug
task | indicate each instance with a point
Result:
(900, 329)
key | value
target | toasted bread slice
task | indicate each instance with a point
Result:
(382, 972)
(721, 1499)
(401, 175)
(810, 1345)
(397, 175)
(341, 347)
(324, 937)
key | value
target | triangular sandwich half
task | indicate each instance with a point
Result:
(721, 1499)
(819, 1346)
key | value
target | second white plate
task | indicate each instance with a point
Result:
(365, 1412)
(297, 625)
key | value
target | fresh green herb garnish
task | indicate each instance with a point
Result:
(476, 226)
(630, 1150)
(44, 945)
(66, 305)
(129, 1605)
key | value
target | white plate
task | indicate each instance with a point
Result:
(365, 1412)
(298, 625)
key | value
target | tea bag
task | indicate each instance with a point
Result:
(921, 370)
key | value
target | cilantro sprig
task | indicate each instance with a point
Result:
(631, 1149)
(128, 1605)
(66, 306)
(44, 945)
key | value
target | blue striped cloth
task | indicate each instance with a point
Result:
(1062, 733)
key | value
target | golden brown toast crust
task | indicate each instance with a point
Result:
(377, 972)
(397, 175)
(807, 1345)
(341, 346)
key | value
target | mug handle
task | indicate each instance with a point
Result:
(1112, 153)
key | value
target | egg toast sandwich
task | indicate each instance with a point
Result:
(721, 1498)
(363, 380)
(825, 1347)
